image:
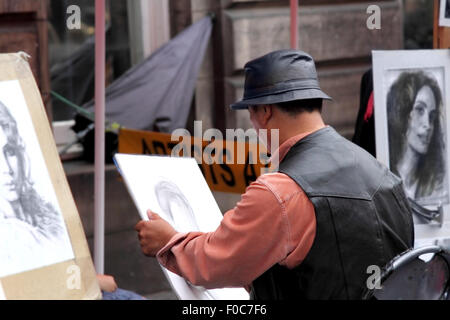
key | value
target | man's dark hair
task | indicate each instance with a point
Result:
(296, 107)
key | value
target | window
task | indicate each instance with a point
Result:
(72, 52)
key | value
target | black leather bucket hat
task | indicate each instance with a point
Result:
(280, 76)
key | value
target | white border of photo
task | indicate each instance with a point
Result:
(443, 21)
(410, 59)
(2, 293)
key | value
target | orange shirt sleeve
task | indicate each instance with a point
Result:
(273, 223)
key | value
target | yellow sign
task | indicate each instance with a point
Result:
(220, 175)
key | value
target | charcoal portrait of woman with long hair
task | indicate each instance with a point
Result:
(417, 143)
(176, 208)
(32, 232)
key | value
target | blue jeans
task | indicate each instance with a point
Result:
(121, 294)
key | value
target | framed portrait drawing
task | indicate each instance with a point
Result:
(42, 243)
(175, 189)
(412, 130)
(444, 13)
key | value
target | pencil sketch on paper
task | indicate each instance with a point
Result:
(32, 229)
(412, 132)
(417, 135)
(444, 14)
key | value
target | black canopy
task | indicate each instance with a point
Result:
(162, 86)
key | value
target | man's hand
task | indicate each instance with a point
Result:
(154, 234)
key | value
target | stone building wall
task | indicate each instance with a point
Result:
(334, 32)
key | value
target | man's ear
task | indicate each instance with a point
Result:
(267, 113)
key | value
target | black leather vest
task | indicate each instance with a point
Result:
(362, 219)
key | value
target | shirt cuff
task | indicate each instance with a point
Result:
(163, 254)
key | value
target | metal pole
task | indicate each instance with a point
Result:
(294, 24)
(99, 193)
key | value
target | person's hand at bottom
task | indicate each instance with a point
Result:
(106, 283)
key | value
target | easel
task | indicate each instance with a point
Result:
(441, 35)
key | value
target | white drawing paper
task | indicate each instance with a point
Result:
(2, 293)
(176, 190)
(33, 233)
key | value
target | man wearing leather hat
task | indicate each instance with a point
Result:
(280, 76)
(309, 230)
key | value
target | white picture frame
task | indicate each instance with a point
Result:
(444, 13)
(42, 238)
(153, 180)
(401, 85)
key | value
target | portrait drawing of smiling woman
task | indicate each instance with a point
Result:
(31, 229)
(417, 144)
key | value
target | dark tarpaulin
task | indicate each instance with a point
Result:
(160, 89)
